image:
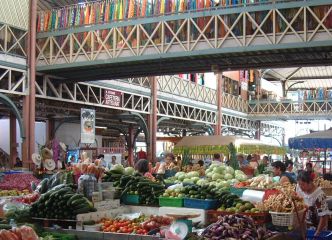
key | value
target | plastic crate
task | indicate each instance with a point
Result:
(237, 191)
(201, 203)
(322, 235)
(130, 199)
(170, 202)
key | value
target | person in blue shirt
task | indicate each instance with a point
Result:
(289, 169)
(242, 162)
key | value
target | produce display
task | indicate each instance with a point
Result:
(202, 192)
(19, 181)
(116, 173)
(21, 233)
(92, 168)
(222, 172)
(323, 183)
(28, 199)
(14, 192)
(196, 168)
(61, 202)
(284, 200)
(55, 180)
(261, 182)
(147, 190)
(191, 177)
(141, 225)
(235, 227)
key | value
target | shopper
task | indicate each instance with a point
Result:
(18, 163)
(217, 157)
(289, 169)
(318, 212)
(279, 169)
(142, 167)
(102, 161)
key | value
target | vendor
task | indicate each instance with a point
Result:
(217, 157)
(289, 169)
(318, 213)
(18, 163)
(279, 169)
(242, 161)
(142, 167)
(310, 170)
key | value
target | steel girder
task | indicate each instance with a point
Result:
(13, 40)
(169, 43)
(287, 110)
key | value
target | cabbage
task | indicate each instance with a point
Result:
(188, 180)
(179, 174)
(229, 170)
(182, 177)
(192, 174)
(129, 171)
(213, 165)
(216, 176)
(222, 184)
(241, 177)
(195, 179)
(233, 181)
(209, 175)
(118, 168)
(219, 170)
(228, 176)
(202, 182)
(239, 172)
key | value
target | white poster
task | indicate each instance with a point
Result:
(88, 118)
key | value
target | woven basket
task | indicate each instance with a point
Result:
(327, 191)
(287, 219)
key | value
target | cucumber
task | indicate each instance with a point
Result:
(78, 201)
(81, 210)
(73, 198)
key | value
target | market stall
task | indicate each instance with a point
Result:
(316, 141)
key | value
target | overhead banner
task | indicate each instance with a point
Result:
(88, 119)
(112, 98)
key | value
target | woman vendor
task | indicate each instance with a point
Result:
(318, 213)
(142, 167)
(279, 169)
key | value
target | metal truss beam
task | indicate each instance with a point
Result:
(157, 42)
(13, 40)
(290, 110)
(13, 81)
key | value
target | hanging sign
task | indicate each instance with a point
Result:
(112, 98)
(88, 119)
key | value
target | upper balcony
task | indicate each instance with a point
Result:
(111, 37)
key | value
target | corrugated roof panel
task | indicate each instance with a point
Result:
(15, 12)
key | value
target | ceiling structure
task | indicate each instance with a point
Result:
(301, 77)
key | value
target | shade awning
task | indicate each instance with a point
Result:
(322, 139)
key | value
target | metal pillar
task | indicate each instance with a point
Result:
(153, 120)
(26, 140)
(219, 103)
(32, 76)
(130, 142)
(13, 140)
(50, 130)
(258, 131)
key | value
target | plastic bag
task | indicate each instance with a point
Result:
(87, 184)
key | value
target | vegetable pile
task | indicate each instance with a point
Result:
(148, 191)
(261, 182)
(28, 199)
(55, 180)
(236, 227)
(323, 183)
(18, 181)
(13, 192)
(22, 233)
(60, 203)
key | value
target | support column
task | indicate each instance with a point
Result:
(32, 77)
(219, 103)
(258, 131)
(13, 140)
(153, 120)
(50, 130)
(25, 144)
(131, 146)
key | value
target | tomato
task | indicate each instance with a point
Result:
(130, 230)
(113, 229)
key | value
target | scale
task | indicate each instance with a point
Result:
(181, 227)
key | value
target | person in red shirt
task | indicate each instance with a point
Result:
(310, 170)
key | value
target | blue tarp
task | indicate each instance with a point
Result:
(321, 139)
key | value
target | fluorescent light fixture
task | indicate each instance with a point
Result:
(129, 121)
(101, 127)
